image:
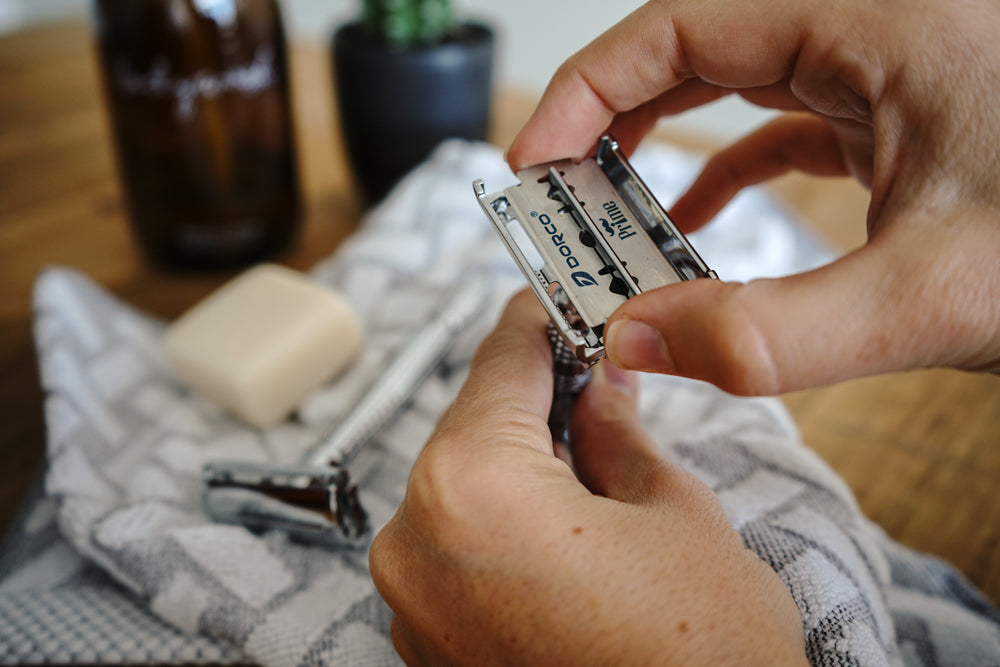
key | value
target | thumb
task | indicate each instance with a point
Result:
(612, 454)
(849, 318)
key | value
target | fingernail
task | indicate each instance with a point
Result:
(637, 346)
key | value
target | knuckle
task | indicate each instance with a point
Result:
(391, 566)
(456, 490)
(745, 367)
(379, 556)
(441, 495)
(433, 491)
(734, 354)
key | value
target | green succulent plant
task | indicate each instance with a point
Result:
(407, 23)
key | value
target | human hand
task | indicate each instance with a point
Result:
(498, 554)
(902, 96)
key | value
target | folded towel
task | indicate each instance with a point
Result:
(136, 572)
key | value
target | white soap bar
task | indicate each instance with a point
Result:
(263, 341)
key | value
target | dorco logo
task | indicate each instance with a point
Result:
(581, 278)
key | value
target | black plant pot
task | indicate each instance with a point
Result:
(396, 105)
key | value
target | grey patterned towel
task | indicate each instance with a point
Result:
(116, 561)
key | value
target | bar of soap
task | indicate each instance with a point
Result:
(262, 342)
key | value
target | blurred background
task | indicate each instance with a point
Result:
(918, 449)
(535, 37)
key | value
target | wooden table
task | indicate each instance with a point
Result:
(920, 449)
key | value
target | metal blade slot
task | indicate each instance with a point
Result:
(577, 334)
(662, 231)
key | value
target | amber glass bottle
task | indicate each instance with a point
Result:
(198, 94)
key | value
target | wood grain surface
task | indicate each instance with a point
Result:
(919, 449)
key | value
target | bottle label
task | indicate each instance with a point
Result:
(260, 74)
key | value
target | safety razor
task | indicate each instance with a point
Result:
(316, 501)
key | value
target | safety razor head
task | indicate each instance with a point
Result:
(588, 236)
(315, 505)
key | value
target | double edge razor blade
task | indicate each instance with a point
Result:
(588, 236)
